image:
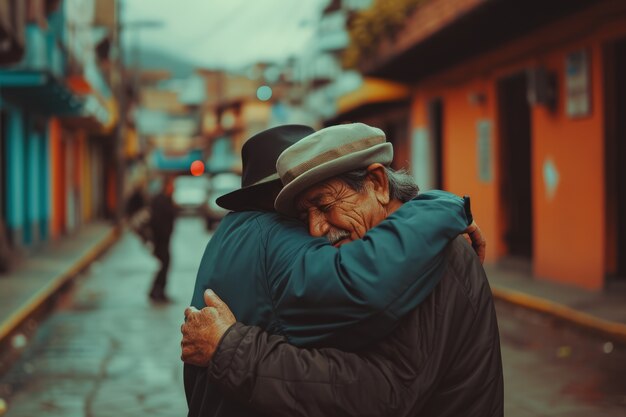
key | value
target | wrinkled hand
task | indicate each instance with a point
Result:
(474, 237)
(203, 329)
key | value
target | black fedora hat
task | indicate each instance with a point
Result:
(258, 157)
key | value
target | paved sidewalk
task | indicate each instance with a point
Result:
(106, 350)
(37, 278)
(602, 312)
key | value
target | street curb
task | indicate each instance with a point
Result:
(52, 287)
(613, 330)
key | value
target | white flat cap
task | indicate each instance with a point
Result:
(325, 154)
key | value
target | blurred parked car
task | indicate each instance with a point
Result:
(191, 193)
(220, 184)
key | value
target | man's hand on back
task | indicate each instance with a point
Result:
(203, 329)
(474, 237)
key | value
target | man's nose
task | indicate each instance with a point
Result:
(318, 226)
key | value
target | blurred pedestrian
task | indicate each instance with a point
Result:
(138, 215)
(162, 215)
(136, 201)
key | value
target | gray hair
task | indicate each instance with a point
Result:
(402, 186)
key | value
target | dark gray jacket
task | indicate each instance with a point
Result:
(443, 360)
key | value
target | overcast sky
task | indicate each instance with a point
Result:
(223, 33)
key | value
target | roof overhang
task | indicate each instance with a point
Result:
(97, 115)
(450, 36)
(40, 91)
(368, 113)
(43, 93)
(371, 91)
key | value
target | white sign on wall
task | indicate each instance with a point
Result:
(577, 84)
(422, 161)
(484, 149)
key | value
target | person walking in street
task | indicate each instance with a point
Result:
(138, 215)
(136, 201)
(273, 274)
(162, 215)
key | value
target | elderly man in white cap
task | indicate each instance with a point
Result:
(339, 180)
(443, 359)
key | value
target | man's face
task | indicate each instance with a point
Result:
(334, 210)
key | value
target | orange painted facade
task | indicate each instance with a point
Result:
(75, 200)
(57, 183)
(570, 229)
(111, 189)
(563, 252)
(459, 151)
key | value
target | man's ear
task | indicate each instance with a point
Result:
(380, 182)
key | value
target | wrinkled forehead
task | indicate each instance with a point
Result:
(321, 193)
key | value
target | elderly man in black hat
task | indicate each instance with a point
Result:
(273, 274)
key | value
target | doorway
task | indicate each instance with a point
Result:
(515, 166)
(3, 167)
(435, 128)
(27, 174)
(615, 154)
(5, 240)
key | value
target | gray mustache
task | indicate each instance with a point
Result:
(335, 235)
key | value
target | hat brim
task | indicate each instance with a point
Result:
(285, 202)
(250, 197)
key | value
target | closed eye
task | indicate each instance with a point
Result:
(324, 208)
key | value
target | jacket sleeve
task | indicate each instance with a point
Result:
(352, 296)
(275, 378)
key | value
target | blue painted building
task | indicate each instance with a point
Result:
(31, 92)
(48, 163)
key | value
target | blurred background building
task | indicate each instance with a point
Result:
(518, 104)
(57, 117)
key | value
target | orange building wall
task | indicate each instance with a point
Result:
(111, 189)
(88, 209)
(459, 154)
(569, 238)
(570, 228)
(57, 194)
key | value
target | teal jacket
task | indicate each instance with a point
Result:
(272, 274)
